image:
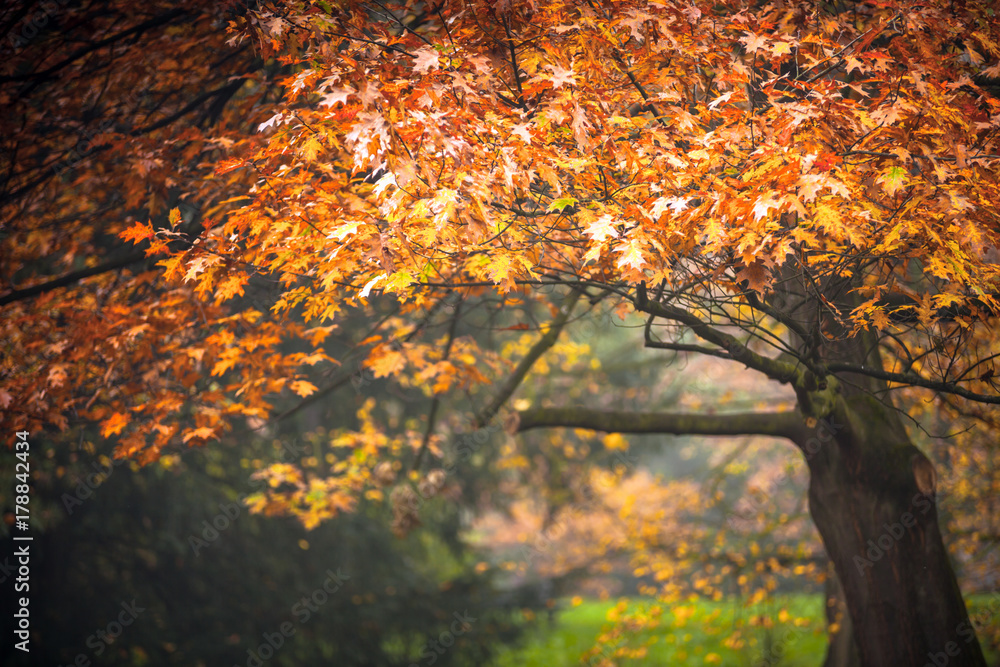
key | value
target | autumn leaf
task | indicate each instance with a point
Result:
(562, 203)
(114, 424)
(303, 387)
(425, 59)
(385, 361)
(630, 255)
(138, 233)
(602, 228)
(763, 206)
(754, 43)
(756, 275)
(230, 287)
(721, 99)
(779, 49)
(561, 76)
(203, 433)
(366, 290)
(893, 180)
(880, 319)
(226, 166)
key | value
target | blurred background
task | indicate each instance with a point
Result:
(556, 547)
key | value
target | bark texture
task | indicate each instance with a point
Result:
(842, 650)
(871, 494)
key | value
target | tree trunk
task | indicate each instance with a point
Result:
(842, 650)
(871, 494)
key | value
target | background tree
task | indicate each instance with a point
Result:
(806, 190)
(211, 583)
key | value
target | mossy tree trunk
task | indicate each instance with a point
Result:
(872, 497)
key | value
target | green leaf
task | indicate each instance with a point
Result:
(563, 202)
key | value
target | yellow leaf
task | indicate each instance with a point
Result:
(780, 48)
(230, 287)
(879, 319)
(615, 441)
(303, 387)
(310, 148)
(384, 361)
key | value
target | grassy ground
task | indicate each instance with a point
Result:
(694, 634)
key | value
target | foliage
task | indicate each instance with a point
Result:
(808, 190)
(213, 580)
(699, 635)
(694, 633)
(687, 148)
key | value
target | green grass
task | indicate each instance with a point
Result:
(691, 640)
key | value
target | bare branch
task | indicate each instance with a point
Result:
(776, 370)
(778, 424)
(547, 340)
(914, 380)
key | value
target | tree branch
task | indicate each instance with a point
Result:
(73, 277)
(436, 401)
(776, 370)
(778, 424)
(39, 77)
(543, 344)
(914, 380)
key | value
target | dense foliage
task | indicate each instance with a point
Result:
(196, 196)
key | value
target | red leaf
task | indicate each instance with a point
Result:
(226, 166)
(138, 233)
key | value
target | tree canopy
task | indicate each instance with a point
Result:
(809, 190)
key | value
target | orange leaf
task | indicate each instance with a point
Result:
(303, 387)
(384, 361)
(138, 233)
(230, 287)
(203, 433)
(114, 424)
(756, 275)
(226, 166)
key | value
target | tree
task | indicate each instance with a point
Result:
(808, 190)
(211, 584)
